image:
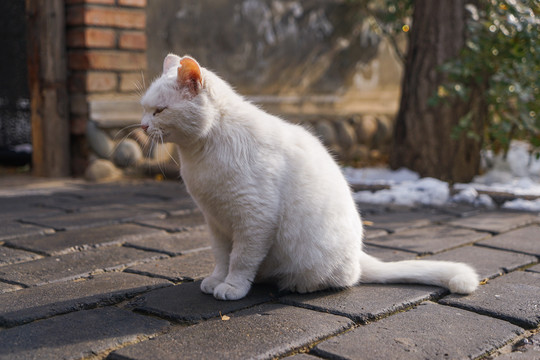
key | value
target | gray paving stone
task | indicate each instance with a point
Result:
(525, 240)
(514, 297)
(387, 254)
(535, 268)
(13, 256)
(303, 357)
(40, 302)
(96, 200)
(176, 243)
(92, 218)
(5, 287)
(370, 233)
(63, 242)
(496, 222)
(489, 263)
(394, 222)
(74, 265)
(191, 266)
(525, 349)
(187, 303)
(366, 302)
(174, 207)
(429, 240)
(461, 210)
(261, 332)
(11, 229)
(430, 331)
(176, 223)
(81, 334)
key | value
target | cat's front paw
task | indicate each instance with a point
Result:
(226, 291)
(209, 284)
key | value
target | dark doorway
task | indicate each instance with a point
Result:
(15, 126)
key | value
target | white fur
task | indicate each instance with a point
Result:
(276, 203)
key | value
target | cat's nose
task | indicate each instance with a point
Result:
(144, 127)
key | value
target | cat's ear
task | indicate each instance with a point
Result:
(170, 61)
(189, 75)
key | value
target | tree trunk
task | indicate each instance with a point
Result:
(47, 83)
(422, 138)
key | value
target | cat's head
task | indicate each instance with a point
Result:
(177, 105)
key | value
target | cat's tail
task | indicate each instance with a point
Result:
(457, 277)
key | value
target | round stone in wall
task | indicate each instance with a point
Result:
(326, 132)
(101, 170)
(127, 153)
(99, 141)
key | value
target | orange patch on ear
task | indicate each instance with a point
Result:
(189, 74)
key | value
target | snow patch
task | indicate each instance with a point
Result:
(518, 173)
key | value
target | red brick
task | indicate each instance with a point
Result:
(106, 60)
(130, 82)
(93, 81)
(106, 16)
(91, 37)
(134, 3)
(134, 40)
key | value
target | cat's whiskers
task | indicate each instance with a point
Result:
(123, 138)
(167, 150)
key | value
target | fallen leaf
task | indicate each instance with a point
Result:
(224, 317)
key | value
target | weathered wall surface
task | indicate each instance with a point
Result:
(274, 47)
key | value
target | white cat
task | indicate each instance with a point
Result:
(276, 203)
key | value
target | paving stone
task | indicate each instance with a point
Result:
(525, 240)
(430, 331)
(92, 218)
(525, 349)
(461, 210)
(261, 332)
(535, 268)
(489, 263)
(75, 240)
(370, 233)
(398, 221)
(5, 287)
(176, 223)
(96, 202)
(186, 302)
(12, 229)
(176, 243)
(192, 266)
(81, 334)
(174, 207)
(496, 222)
(302, 357)
(40, 302)
(12, 256)
(386, 254)
(428, 240)
(74, 265)
(366, 302)
(514, 297)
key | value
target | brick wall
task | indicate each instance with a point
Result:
(106, 43)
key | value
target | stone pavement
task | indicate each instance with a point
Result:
(113, 271)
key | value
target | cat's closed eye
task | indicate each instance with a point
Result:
(158, 110)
